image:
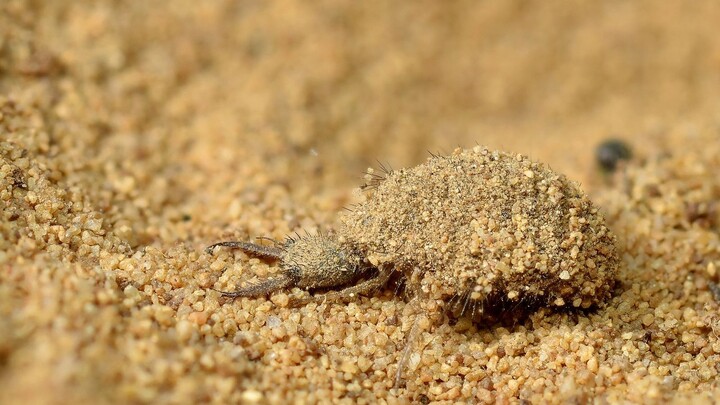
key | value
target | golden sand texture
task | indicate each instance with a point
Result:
(134, 134)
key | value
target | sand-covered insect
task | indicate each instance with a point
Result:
(478, 233)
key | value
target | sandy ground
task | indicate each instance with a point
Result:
(134, 134)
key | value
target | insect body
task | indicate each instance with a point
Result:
(489, 234)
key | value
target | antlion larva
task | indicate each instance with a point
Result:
(485, 234)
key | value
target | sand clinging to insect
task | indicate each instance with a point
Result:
(492, 227)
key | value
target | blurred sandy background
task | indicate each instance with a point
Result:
(133, 134)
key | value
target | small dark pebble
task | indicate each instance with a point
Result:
(610, 152)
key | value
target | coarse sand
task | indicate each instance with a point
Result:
(134, 134)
